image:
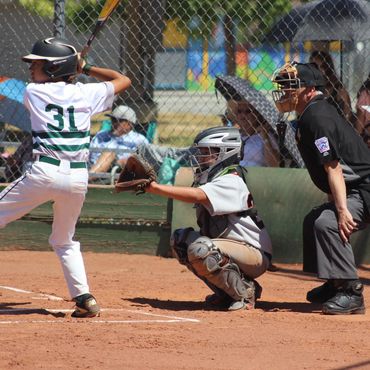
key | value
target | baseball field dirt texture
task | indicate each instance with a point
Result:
(153, 317)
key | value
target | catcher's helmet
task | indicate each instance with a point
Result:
(61, 57)
(291, 77)
(223, 145)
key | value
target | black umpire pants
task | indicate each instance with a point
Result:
(324, 252)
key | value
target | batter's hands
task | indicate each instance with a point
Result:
(81, 63)
(346, 224)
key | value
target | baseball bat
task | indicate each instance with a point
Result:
(105, 13)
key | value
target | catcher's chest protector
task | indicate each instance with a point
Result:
(216, 226)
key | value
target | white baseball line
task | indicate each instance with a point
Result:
(170, 317)
(40, 295)
(164, 318)
(92, 321)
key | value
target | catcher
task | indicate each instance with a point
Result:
(232, 247)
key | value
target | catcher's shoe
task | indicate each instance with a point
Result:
(86, 306)
(248, 304)
(322, 293)
(348, 300)
(218, 301)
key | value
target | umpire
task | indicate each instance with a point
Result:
(338, 162)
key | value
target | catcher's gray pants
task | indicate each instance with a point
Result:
(250, 260)
(324, 250)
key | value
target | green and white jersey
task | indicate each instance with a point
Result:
(61, 116)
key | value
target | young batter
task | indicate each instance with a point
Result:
(60, 115)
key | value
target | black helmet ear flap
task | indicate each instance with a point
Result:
(61, 68)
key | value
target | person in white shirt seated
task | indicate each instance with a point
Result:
(260, 146)
(116, 145)
(259, 142)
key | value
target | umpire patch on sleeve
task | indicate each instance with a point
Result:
(322, 144)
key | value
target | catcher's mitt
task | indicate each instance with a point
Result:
(135, 176)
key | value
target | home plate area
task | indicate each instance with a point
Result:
(14, 310)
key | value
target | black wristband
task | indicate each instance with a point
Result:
(86, 69)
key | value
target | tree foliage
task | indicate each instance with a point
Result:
(82, 14)
(252, 18)
(44, 8)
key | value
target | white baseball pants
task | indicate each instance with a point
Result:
(66, 187)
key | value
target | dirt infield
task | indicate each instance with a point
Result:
(154, 318)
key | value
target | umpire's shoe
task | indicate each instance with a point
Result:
(86, 306)
(322, 293)
(348, 300)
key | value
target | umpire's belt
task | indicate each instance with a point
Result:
(56, 162)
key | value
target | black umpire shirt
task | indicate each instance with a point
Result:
(324, 136)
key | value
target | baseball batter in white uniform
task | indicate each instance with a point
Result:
(232, 247)
(60, 116)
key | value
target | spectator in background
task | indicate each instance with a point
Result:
(165, 160)
(260, 147)
(363, 111)
(106, 125)
(121, 139)
(226, 119)
(259, 143)
(334, 90)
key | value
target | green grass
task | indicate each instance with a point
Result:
(179, 129)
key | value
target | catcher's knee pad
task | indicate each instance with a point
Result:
(204, 256)
(212, 265)
(179, 245)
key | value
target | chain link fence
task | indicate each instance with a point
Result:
(177, 54)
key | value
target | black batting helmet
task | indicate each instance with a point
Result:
(60, 56)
